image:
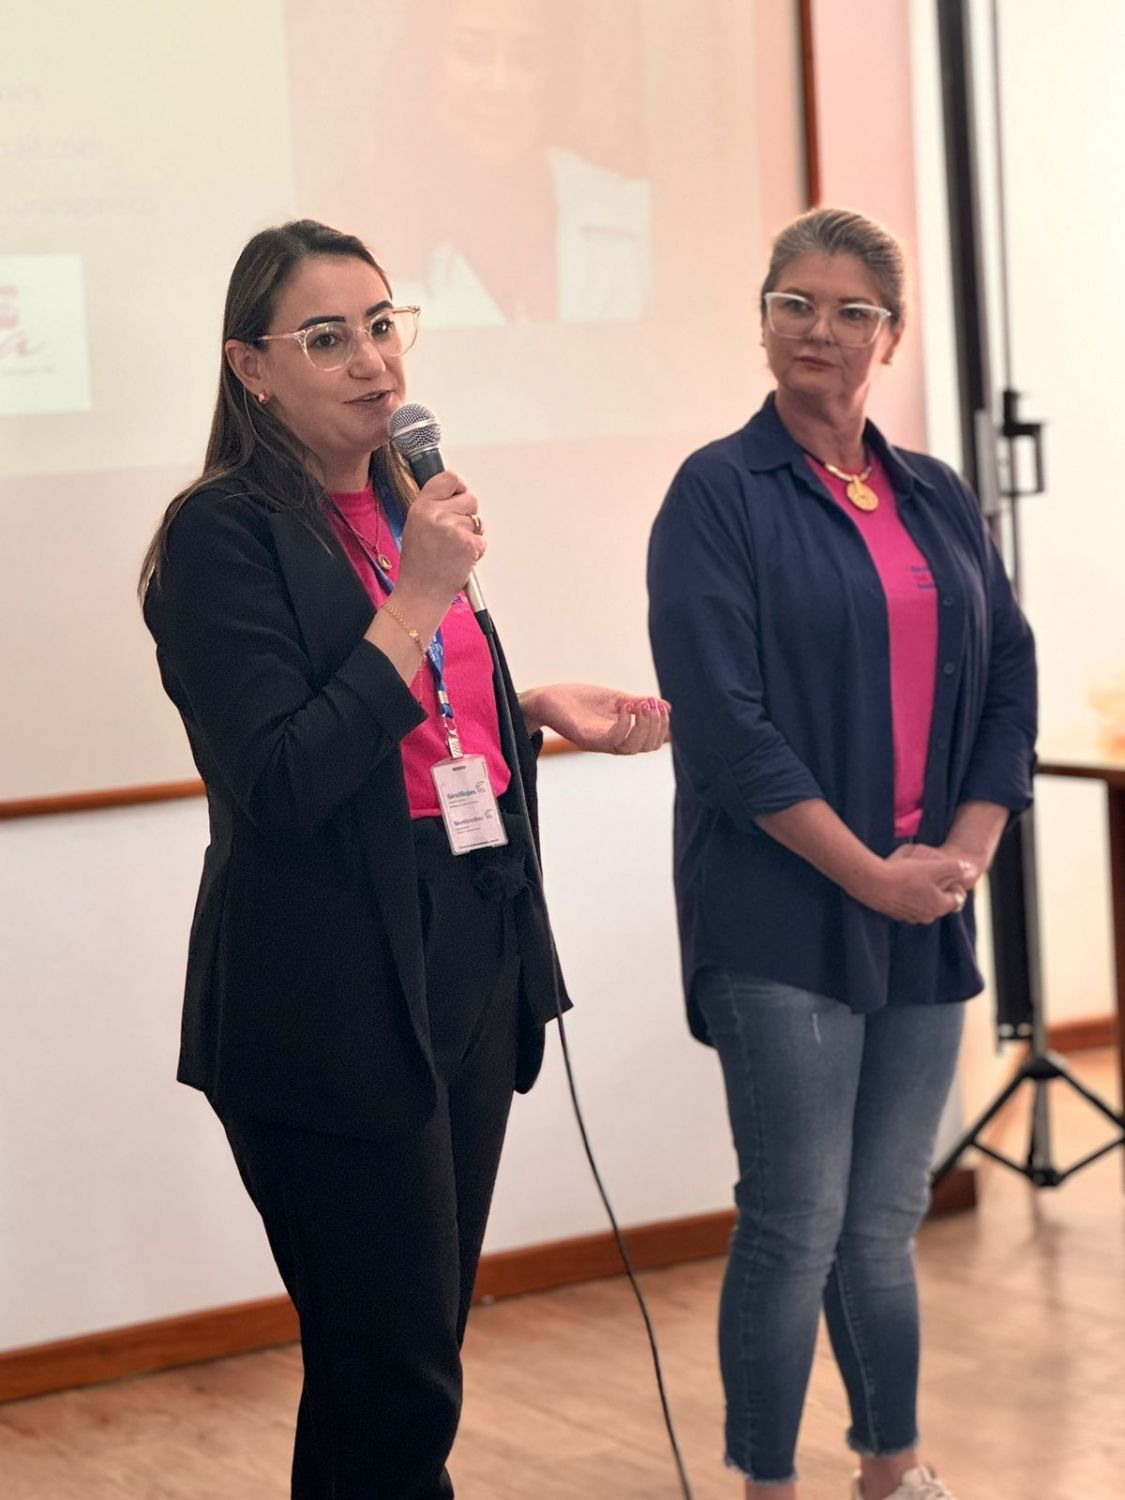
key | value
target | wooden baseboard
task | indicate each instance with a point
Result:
(145, 1347)
(956, 1193)
(539, 1268)
(1083, 1034)
(247, 1326)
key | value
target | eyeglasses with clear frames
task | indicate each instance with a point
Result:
(853, 324)
(332, 345)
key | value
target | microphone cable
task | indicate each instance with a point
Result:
(416, 435)
(485, 622)
(626, 1260)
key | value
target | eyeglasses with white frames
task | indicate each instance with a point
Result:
(853, 324)
(333, 344)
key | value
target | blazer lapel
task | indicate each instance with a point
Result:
(330, 602)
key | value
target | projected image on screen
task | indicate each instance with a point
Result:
(578, 193)
(517, 144)
(44, 366)
(122, 205)
(535, 230)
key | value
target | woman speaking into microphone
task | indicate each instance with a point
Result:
(370, 966)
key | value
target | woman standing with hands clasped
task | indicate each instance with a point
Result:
(365, 989)
(855, 706)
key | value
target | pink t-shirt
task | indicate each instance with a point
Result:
(468, 662)
(912, 618)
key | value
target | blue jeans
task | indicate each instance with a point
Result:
(834, 1118)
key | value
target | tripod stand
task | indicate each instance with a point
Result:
(1042, 1067)
(1015, 908)
(1013, 880)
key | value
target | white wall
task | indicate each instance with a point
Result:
(118, 1201)
(1064, 139)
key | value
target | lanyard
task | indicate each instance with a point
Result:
(435, 651)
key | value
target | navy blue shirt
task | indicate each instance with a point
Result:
(769, 629)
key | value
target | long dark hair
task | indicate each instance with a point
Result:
(246, 439)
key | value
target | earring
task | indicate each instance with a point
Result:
(263, 397)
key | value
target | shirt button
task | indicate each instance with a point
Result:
(948, 669)
(943, 744)
(947, 602)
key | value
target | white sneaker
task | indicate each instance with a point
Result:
(917, 1484)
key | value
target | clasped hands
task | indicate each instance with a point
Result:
(919, 883)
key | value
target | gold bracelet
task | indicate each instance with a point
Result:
(406, 625)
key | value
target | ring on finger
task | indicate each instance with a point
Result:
(478, 524)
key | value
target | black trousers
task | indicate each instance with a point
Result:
(378, 1242)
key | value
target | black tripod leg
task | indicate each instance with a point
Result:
(970, 1136)
(1088, 1094)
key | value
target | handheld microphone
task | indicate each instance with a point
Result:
(416, 434)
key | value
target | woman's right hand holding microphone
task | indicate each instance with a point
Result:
(442, 542)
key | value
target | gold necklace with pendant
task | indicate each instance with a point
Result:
(380, 556)
(860, 493)
(384, 560)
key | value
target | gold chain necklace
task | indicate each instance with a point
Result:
(384, 560)
(862, 496)
(380, 556)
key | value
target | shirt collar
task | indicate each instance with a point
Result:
(766, 444)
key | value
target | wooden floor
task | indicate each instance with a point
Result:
(1023, 1389)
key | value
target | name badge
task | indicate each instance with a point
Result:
(468, 804)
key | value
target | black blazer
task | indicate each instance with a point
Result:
(305, 995)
